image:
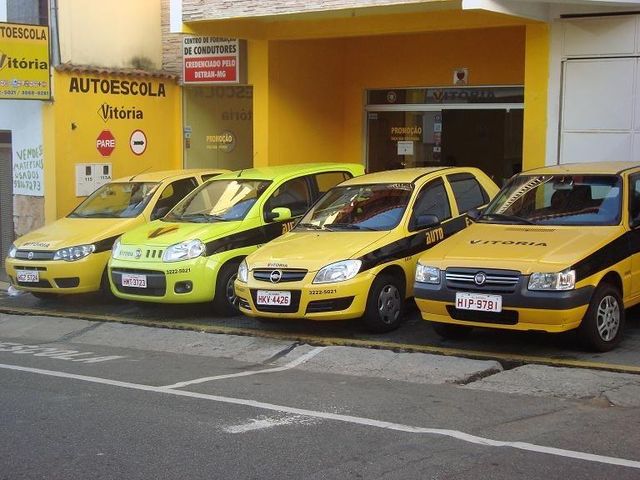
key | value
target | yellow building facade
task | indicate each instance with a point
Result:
(314, 75)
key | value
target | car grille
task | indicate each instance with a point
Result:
(34, 255)
(153, 253)
(506, 317)
(496, 281)
(331, 305)
(156, 282)
(70, 282)
(288, 275)
(295, 303)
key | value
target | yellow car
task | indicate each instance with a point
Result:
(557, 249)
(192, 254)
(354, 253)
(70, 255)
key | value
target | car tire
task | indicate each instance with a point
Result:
(385, 304)
(225, 301)
(451, 332)
(602, 327)
(105, 287)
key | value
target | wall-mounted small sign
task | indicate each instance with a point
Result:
(90, 176)
(461, 76)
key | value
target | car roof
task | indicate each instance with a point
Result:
(165, 174)
(405, 175)
(268, 173)
(585, 168)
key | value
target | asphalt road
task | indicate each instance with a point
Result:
(414, 334)
(147, 412)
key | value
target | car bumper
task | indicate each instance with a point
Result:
(189, 281)
(59, 276)
(336, 301)
(522, 309)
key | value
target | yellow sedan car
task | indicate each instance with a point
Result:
(556, 250)
(354, 253)
(70, 255)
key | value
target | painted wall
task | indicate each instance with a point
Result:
(316, 87)
(85, 107)
(116, 33)
(24, 120)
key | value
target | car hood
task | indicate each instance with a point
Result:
(313, 250)
(69, 232)
(162, 234)
(525, 248)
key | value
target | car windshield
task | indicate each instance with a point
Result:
(116, 200)
(359, 208)
(219, 201)
(557, 200)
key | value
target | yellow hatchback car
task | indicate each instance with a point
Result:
(557, 249)
(192, 254)
(70, 255)
(354, 253)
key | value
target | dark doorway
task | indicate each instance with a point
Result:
(490, 139)
(6, 199)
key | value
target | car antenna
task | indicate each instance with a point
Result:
(139, 173)
(240, 173)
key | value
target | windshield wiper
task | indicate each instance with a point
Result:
(508, 218)
(200, 218)
(311, 226)
(352, 226)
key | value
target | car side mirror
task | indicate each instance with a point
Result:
(425, 221)
(474, 214)
(159, 213)
(279, 214)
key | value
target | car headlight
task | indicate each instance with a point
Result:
(12, 251)
(243, 272)
(427, 274)
(115, 249)
(71, 254)
(183, 251)
(338, 272)
(553, 281)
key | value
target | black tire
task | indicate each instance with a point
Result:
(385, 304)
(603, 325)
(225, 301)
(44, 296)
(450, 331)
(105, 287)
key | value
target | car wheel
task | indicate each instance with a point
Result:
(385, 304)
(225, 301)
(105, 288)
(603, 324)
(451, 332)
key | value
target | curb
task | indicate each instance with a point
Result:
(508, 361)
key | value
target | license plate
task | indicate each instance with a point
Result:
(133, 280)
(28, 276)
(273, 297)
(479, 301)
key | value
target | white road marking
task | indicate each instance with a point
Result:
(368, 422)
(52, 352)
(298, 361)
(265, 422)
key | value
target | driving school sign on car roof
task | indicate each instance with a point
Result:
(213, 60)
(24, 62)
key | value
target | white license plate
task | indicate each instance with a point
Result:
(479, 301)
(28, 276)
(133, 280)
(273, 297)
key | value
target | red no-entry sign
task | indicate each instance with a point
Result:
(105, 143)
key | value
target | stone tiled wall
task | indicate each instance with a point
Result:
(28, 213)
(217, 9)
(171, 44)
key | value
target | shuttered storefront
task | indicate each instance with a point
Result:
(6, 199)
